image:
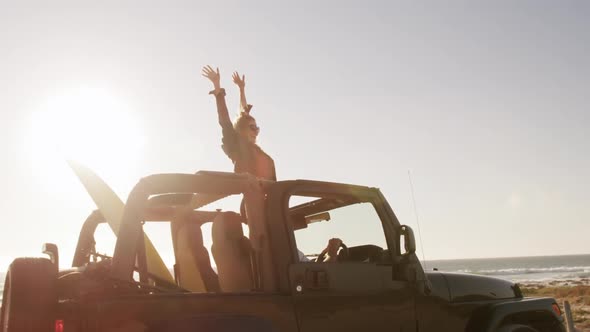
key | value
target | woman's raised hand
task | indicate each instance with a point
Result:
(212, 75)
(240, 82)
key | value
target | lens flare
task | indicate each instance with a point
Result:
(88, 125)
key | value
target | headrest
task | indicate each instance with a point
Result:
(227, 225)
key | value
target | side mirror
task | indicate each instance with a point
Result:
(407, 236)
(50, 249)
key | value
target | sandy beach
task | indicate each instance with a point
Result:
(576, 291)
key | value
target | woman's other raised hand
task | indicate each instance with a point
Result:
(240, 82)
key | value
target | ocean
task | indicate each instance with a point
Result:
(520, 269)
(539, 269)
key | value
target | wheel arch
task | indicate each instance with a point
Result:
(537, 313)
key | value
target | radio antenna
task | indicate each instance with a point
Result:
(417, 219)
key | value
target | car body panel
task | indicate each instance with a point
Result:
(168, 310)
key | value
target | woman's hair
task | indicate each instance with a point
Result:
(243, 120)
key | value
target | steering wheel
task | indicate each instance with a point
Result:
(342, 253)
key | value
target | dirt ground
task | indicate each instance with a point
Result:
(576, 292)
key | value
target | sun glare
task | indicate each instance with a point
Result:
(87, 125)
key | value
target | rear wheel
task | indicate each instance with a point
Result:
(517, 328)
(30, 296)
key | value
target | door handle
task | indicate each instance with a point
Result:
(316, 280)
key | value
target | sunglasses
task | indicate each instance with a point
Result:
(254, 127)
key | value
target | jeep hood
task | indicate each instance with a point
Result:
(468, 287)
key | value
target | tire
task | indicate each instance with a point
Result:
(516, 328)
(30, 296)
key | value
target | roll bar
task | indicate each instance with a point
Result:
(212, 185)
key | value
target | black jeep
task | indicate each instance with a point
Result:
(261, 280)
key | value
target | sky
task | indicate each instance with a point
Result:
(485, 104)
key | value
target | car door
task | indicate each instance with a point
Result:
(358, 291)
(351, 297)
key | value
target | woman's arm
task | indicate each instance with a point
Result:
(241, 83)
(219, 93)
(230, 137)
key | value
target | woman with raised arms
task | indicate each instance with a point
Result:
(239, 137)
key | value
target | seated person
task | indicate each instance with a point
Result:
(330, 252)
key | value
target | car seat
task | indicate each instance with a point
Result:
(232, 253)
(193, 266)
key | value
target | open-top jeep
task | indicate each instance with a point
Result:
(261, 281)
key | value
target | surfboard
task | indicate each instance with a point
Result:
(111, 207)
